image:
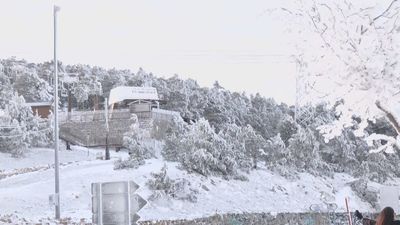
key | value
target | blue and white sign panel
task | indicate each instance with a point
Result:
(115, 203)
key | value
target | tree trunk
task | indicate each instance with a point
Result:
(389, 115)
(68, 145)
(96, 102)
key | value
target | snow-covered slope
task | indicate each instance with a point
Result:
(26, 194)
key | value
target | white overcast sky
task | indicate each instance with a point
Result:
(232, 41)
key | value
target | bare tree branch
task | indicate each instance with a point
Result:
(389, 116)
(384, 12)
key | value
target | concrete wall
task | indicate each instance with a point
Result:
(262, 219)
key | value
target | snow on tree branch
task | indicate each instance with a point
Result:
(349, 53)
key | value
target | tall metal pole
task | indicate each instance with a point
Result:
(56, 136)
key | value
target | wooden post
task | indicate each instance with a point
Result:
(107, 129)
(69, 102)
(96, 102)
(107, 149)
(69, 112)
(348, 211)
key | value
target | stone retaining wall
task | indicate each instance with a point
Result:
(93, 133)
(262, 219)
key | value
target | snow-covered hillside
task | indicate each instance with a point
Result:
(26, 194)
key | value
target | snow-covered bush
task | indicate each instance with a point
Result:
(340, 153)
(11, 137)
(131, 163)
(179, 189)
(360, 187)
(37, 132)
(378, 167)
(134, 141)
(200, 149)
(160, 180)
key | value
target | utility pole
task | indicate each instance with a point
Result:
(56, 136)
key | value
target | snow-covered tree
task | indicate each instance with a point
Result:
(113, 78)
(19, 128)
(134, 141)
(264, 115)
(215, 110)
(32, 87)
(350, 50)
(305, 155)
(275, 151)
(239, 106)
(174, 135)
(178, 97)
(205, 152)
(278, 157)
(236, 140)
(254, 144)
(80, 92)
(88, 84)
(286, 128)
(146, 79)
(11, 135)
(41, 132)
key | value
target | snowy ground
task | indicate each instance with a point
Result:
(26, 194)
(44, 156)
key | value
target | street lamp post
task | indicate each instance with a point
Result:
(56, 135)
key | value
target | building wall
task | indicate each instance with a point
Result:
(42, 111)
(140, 107)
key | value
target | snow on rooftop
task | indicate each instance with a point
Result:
(122, 93)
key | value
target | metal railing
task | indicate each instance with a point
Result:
(90, 116)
